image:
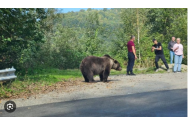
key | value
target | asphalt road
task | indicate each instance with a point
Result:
(168, 103)
(147, 95)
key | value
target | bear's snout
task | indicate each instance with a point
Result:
(119, 69)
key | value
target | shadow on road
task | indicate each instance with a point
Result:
(111, 80)
(168, 103)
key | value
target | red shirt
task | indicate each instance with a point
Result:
(129, 46)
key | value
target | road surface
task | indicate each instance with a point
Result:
(147, 95)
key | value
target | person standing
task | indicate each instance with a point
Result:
(178, 50)
(131, 55)
(170, 47)
(157, 47)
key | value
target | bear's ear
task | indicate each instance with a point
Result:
(107, 55)
(115, 61)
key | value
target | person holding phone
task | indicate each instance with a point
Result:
(178, 50)
(157, 47)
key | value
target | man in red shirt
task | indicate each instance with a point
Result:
(131, 55)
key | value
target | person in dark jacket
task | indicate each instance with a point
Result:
(170, 47)
(157, 47)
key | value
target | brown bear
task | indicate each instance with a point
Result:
(101, 66)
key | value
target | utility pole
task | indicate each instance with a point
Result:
(138, 32)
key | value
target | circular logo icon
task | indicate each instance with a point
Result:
(10, 106)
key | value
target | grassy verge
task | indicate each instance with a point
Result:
(48, 77)
(39, 78)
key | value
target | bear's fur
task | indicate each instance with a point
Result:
(101, 66)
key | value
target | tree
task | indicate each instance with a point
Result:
(89, 9)
(20, 29)
(105, 9)
(91, 34)
(82, 10)
(161, 19)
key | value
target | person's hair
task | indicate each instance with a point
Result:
(154, 40)
(132, 36)
(174, 36)
(178, 38)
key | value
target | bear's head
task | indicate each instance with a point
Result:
(115, 64)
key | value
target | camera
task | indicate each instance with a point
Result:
(9, 106)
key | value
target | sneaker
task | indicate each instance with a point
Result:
(175, 72)
(132, 74)
(168, 70)
(156, 70)
(178, 72)
(127, 74)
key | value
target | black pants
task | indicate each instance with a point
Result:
(162, 57)
(131, 59)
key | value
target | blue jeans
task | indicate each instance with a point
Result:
(177, 63)
(171, 56)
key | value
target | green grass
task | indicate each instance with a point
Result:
(47, 77)
(50, 75)
(56, 75)
(38, 77)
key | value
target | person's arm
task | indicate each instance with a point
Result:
(182, 50)
(134, 52)
(152, 49)
(160, 48)
(175, 48)
(169, 46)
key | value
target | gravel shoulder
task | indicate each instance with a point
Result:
(117, 85)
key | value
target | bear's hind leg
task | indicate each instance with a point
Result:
(90, 77)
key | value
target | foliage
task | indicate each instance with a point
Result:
(21, 30)
(44, 38)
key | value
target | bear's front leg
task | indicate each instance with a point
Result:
(101, 76)
(105, 75)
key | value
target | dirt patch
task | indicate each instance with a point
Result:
(33, 90)
(36, 89)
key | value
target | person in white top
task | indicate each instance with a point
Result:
(178, 50)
